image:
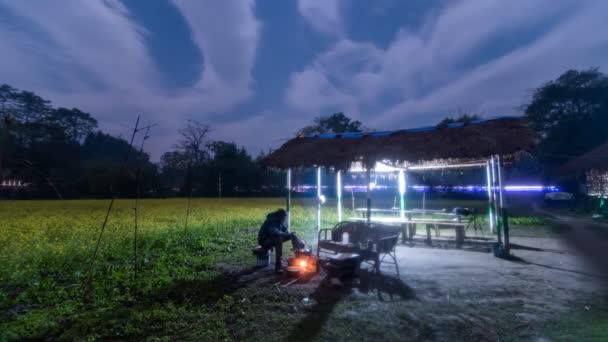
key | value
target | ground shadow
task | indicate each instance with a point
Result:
(479, 247)
(536, 249)
(523, 261)
(329, 293)
(206, 291)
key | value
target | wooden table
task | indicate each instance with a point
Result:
(408, 226)
(407, 211)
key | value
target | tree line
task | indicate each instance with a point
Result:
(61, 152)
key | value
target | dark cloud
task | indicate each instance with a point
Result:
(481, 55)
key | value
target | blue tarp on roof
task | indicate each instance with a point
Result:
(355, 135)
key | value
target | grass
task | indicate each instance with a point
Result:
(46, 250)
(185, 283)
(585, 324)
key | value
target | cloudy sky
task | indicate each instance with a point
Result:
(256, 71)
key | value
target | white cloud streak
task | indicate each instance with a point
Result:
(420, 77)
(323, 15)
(92, 55)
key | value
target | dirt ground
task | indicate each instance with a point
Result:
(443, 294)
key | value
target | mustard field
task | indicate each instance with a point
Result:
(49, 280)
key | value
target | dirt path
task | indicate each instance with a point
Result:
(448, 295)
(586, 236)
(441, 294)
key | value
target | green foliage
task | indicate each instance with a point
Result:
(334, 123)
(590, 324)
(464, 118)
(570, 114)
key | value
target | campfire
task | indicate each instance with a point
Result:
(303, 263)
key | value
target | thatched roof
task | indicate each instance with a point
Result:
(457, 142)
(596, 159)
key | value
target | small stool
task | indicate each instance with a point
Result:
(262, 256)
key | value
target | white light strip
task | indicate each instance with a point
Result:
(384, 168)
(447, 166)
(401, 182)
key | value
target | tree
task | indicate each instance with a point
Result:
(175, 171)
(77, 124)
(186, 168)
(7, 99)
(334, 123)
(102, 161)
(231, 167)
(192, 141)
(31, 107)
(463, 116)
(570, 115)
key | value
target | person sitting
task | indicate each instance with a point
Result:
(273, 233)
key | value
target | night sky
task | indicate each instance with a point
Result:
(257, 71)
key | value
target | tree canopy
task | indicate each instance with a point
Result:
(570, 114)
(334, 123)
(465, 117)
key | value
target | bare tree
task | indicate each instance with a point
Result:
(193, 141)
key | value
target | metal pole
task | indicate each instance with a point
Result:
(499, 172)
(494, 199)
(490, 209)
(288, 199)
(339, 194)
(318, 198)
(405, 189)
(368, 178)
(503, 207)
(402, 194)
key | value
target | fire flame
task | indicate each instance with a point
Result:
(303, 264)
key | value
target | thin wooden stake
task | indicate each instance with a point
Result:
(136, 207)
(105, 221)
(189, 200)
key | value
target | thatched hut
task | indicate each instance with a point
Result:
(480, 143)
(458, 142)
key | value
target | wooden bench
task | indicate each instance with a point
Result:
(373, 242)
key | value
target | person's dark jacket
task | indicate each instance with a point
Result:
(272, 228)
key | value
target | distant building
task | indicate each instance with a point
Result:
(594, 165)
(13, 183)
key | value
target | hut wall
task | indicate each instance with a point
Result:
(597, 183)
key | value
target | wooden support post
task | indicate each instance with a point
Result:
(459, 236)
(412, 229)
(503, 208)
(423, 197)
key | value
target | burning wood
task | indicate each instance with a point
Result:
(302, 263)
